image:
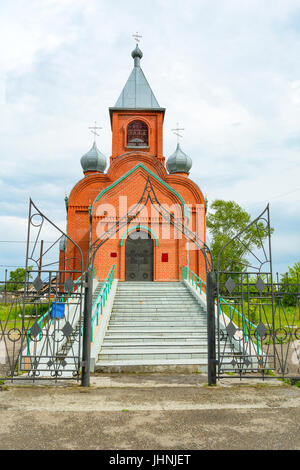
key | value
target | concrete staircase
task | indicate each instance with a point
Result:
(154, 324)
(97, 290)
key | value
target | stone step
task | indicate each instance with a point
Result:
(155, 323)
(112, 340)
(97, 291)
(178, 308)
(130, 283)
(154, 310)
(129, 333)
(149, 362)
(155, 362)
(152, 354)
(183, 306)
(153, 303)
(139, 306)
(145, 329)
(193, 314)
(153, 317)
(157, 290)
(153, 300)
(174, 299)
(162, 345)
(150, 295)
(183, 310)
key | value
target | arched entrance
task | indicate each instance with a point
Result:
(139, 257)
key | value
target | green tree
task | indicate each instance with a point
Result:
(290, 284)
(225, 220)
(17, 278)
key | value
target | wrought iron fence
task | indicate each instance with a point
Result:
(258, 317)
(41, 314)
(258, 326)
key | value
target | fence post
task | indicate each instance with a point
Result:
(211, 330)
(87, 324)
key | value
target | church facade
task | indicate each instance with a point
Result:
(135, 214)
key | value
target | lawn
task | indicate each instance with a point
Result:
(286, 318)
(11, 315)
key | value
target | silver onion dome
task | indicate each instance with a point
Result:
(179, 162)
(137, 53)
(93, 160)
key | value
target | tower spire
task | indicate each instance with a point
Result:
(137, 92)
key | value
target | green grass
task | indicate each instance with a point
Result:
(11, 315)
(291, 382)
(256, 312)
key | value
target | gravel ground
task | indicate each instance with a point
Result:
(154, 411)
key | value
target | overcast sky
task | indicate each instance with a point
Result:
(228, 71)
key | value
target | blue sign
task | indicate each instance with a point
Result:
(58, 310)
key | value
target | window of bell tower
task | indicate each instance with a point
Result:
(137, 134)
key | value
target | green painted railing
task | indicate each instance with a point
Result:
(188, 275)
(98, 305)
(196, 281)
(63, 298)
(101, 299)
(246, 323)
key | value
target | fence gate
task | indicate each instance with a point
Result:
(258, 314)
(41, 313)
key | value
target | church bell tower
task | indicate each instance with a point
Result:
(137, 118)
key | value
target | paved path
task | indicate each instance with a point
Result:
(150, 412)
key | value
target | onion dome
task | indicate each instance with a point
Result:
(179, 162)
(93, 160)
(137, 55)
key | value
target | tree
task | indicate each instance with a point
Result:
(17, 278)
(225, 221)
(290, 284)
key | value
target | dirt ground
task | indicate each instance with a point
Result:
(153, 411)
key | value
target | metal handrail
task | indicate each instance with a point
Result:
(101, 299)
(243, 317)
(188, 274)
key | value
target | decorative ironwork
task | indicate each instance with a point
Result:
(40, 329)
(258, 317)
(179, 223)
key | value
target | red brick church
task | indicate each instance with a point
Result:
(126, 210)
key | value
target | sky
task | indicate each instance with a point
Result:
(227, 71)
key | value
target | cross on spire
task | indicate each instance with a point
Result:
(94, 130)
(137, 37)
(176, 131)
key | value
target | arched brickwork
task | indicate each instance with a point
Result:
(126, 178)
